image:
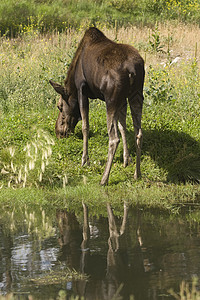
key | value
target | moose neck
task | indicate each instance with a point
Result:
(69, 81)
(92, 35)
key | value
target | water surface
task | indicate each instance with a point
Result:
(132, 253)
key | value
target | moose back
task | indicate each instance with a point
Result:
(109, 71)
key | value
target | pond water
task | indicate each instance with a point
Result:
(134, 254)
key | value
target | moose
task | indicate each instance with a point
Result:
(114, 73)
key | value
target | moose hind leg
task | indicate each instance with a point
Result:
(138, 137)
(136, 103)
(122, 129)
(113, 143)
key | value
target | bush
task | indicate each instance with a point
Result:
(160, 88)
(49, 15)
(13, 14)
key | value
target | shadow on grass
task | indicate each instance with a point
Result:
(177, 153)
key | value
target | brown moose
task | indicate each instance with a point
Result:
(113, 73)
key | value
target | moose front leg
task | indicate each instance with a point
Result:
(113, 143)
(85, 131)
(84, 109)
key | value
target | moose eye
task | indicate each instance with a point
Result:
(60, 105)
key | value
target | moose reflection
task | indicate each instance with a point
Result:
(113, 73)
(75, 242)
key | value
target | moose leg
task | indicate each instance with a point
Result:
(84, 109)
(122, 129)
(113, 240)
(113, 143)
(136, 111)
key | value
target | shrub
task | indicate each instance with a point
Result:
(49, 15)
(159, 87)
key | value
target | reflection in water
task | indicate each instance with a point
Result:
(76, 252)
(5, 258)
(137, 254)
(117, 257)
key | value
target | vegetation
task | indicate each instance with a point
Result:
(57, 277)
(30, 154)
(47, 15)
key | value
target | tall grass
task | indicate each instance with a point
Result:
(31, 162)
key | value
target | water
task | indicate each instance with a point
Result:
(132, 253)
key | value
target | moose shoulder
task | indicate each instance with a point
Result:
(113, 73)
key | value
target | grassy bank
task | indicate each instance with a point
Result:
(32, 157)
(169, 198)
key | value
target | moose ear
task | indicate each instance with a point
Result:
(57, 87)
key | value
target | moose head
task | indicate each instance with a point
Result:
(69, 113)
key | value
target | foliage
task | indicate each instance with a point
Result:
(17, 17)
(160, 88)
(182, 9)
(154, 40)
(123, 5)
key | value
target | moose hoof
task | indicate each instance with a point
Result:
(85, 161)
(137, 175)
(127, 161)
(104, 181)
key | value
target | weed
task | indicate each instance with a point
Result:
(155, 40)
(160, 87)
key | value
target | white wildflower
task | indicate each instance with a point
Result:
(40, 177)
(12, 151)
(31, 164)
(20, 175)
(43, 166)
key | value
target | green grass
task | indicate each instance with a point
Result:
(32, 157)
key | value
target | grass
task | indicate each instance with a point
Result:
(57, 277)
(32, 157)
